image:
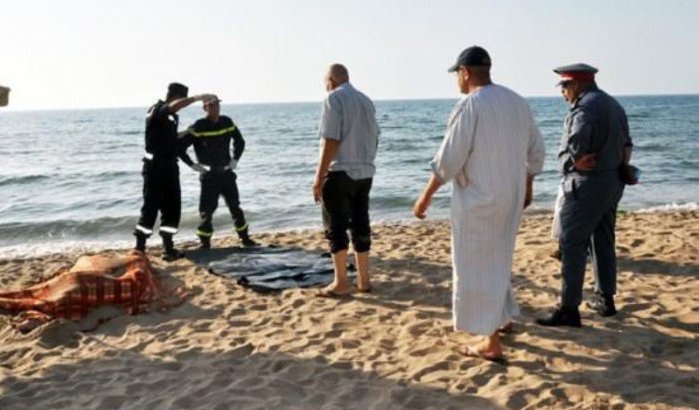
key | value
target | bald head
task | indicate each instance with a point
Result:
(336, 76)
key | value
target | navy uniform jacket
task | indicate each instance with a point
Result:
(212, 142)
(161, 132)
(596, 124)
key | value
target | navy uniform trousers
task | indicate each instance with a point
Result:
(161, 193)
(588, 220)
(213, 185)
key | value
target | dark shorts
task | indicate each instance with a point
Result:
(346, 206)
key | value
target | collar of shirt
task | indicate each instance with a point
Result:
(343, 86)
(590, 87)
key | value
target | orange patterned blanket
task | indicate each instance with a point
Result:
(127, 281)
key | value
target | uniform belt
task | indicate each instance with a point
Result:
(215, 168)
(147, 156)
(591, 172)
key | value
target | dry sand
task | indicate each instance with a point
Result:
(228, 347)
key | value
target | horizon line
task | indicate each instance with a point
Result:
(11, 109)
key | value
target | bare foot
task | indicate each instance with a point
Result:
(335, 290)
(481, 354)
(489, 349)
(363, 284)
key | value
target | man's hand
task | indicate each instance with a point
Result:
(318, 189)
(205, 97)
(233, 164)
(529, 193)
(587, 162)
(528, 199)
(197, 167)
(421, 205)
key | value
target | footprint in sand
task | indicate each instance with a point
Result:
(434, 374)
(637, 242)
(239, 323)
(241, 351)
(418, 329)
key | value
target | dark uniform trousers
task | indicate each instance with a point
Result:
(213, 185)
(161, 192)
(346, 205)
(588, 219)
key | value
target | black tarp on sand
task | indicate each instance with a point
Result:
(268, 268)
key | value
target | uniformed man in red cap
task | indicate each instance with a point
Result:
(594, 146)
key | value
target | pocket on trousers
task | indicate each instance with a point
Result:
(570, 189)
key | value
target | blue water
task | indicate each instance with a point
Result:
(72, 178)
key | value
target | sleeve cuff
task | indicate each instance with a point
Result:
(435, 172)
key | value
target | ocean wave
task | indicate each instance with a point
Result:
(672, 207)
(639, 115)
(129, 132)
(65, 247)
(112, 174)
(58, 229)
(653, 146)
(21, 180)
(551, 123)
(67, 229)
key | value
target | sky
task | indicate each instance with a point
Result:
(94, 54)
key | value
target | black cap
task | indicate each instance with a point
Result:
(471, 57)
(177, 90)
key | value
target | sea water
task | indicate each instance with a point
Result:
(72, 178)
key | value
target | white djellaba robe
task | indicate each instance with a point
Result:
(491, 143)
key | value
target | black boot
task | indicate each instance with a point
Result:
(169, 251)
(602, 304)
(562, 316)
(140, 241)
(245, 238)
(205, 242)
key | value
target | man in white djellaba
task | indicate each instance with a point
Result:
(492, 150)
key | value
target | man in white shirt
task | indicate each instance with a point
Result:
(349, 138)
(492, 150)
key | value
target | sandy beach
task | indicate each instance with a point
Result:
(228, 347)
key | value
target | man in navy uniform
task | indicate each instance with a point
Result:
(594, 146)
(161, 177)
(217, 159)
